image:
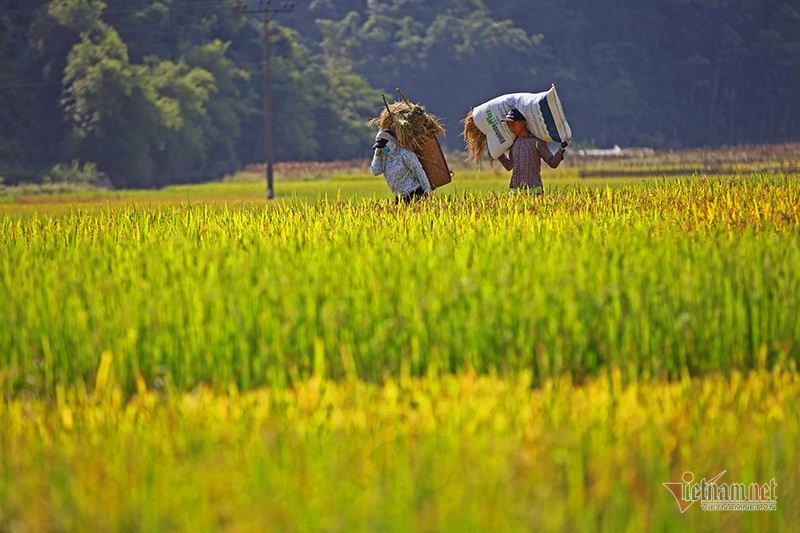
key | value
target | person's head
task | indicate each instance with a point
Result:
(515, 121)
(383, 140)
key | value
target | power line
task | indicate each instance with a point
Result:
(30, 85)
(129, 8)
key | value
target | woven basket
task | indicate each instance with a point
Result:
(434, 164)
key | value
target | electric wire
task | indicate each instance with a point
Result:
(130, 8)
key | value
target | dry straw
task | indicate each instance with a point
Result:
(412, 124)
(475, 139)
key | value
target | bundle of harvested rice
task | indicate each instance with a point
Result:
(475, 139)
(416, 130)
(413, 126)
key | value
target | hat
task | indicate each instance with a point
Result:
(513, 116)
(383, 137)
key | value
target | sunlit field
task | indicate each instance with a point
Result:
(189, 360)
(249, 190)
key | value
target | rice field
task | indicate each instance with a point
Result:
(479, 361)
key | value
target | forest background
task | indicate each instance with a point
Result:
(170, 91)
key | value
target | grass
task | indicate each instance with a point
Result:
(450, 453)
(249, 189)
(658, 278)
(478, 361)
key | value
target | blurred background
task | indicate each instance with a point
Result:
(149, 93)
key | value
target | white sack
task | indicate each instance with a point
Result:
(543, 115)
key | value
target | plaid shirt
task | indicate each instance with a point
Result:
(402, 170)
(524, 160)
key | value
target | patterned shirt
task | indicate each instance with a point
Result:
(524, 160)
(402, 171)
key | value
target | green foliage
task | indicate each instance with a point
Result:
(642, 73)
(80, 16)
(99, 82)
(113, 113)
(229, 105)
(123, 83)
(147, 122)
(73, 173)
(320, 113)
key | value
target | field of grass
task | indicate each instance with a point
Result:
(476, 362)
(248, 189)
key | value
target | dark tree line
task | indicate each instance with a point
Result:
(156, 92)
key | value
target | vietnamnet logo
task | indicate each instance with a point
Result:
(716, 496)
(495, 128)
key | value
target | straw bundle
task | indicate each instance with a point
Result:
(475, 139)
(413, 126)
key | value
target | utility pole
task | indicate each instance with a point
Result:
(266, 9)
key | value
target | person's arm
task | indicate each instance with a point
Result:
(378, 163)
(506, 161)
(413, 164)
(551, 159)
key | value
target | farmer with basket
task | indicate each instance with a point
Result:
(400, 167)
(526, 154)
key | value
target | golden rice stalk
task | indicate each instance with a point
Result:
(475, 139)
(411, 123)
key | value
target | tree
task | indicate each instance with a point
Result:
(113, 123)
(136, 121)
(456, 61)
(157, 91)
(233, 102)
(322, 112)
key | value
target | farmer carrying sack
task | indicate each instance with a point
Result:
(543, 113)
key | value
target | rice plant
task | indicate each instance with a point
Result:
(470, 362)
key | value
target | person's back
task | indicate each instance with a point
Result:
(400, 168)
